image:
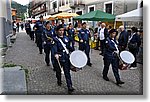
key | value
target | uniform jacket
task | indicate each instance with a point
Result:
(40, 26)
(48, 36)
(59, 49)
(84, 34)
(71, 33)
(136, 39)
(110, 47)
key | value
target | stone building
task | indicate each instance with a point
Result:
(5, 20)
(51, 7)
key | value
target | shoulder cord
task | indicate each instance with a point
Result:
(63, 45)
(115, 45)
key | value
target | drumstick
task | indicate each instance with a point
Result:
(60, 66)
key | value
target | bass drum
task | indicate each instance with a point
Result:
(127, 59)
(78, 59)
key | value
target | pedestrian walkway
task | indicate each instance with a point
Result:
(42, 78)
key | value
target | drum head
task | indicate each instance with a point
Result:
(127, 57)
(78, 59)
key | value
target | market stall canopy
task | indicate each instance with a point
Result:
(96, 16)
(135, 15)
(63, 15)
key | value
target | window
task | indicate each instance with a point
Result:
(66, 2)
(70, 1)
(59, 3)
(79, 12)
(69, 18)
(63, 2)
(108, 7)
(54, 5)
(91, 8)
(75, 2)
(141, 4)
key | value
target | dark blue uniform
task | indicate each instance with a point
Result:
(48, 36)
(39, 32)
(84, 35)
(64, 60)
(133, 45)
(71, 35)
(64, 26)
(110, 57)
(27, 28)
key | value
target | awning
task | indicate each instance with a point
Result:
(63, 15)
(96, 16)
(135, 15)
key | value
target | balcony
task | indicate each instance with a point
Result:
(37, 12)
(74, 5)
(53, 11)
(37, 5)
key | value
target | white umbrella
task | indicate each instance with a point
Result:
(135, 15)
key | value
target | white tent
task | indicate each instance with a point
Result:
(135, 15)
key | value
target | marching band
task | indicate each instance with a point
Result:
(60, 40)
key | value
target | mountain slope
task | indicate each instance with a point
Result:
(21, 9)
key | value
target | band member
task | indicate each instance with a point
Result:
(103, 34)
(22, 25)
(27, 27)
(110, 57)
(96, 33)
(123, 39)
(61, 51)
(65, 26)
(48, 42)
(133, 45)
(39, 28)
(71, 35)
(84, 35)
(18, 27)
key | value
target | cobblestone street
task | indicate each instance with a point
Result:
(42, 78)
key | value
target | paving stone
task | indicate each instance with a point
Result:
(14, 81)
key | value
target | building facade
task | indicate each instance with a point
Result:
(38, 7)
(51, 7)
(5, 20)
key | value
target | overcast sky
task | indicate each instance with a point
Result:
(22, 2)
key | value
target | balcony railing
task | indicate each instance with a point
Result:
(76, 4)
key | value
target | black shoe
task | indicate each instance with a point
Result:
(106, 78)
(54, 69)
(89, 64)
(48, 64)
(101, 54)
(71, 89)
(59, 83)
(120, 82)
(41, 53)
